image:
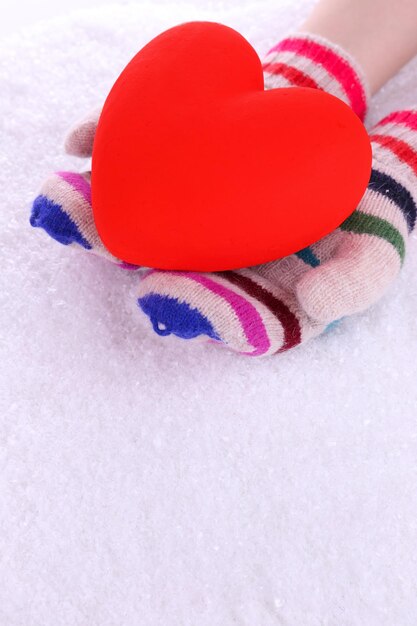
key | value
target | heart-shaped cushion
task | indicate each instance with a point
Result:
(196, 167)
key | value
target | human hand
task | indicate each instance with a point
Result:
(63, 206)
(275, 306)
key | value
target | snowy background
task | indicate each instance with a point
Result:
(146, 481)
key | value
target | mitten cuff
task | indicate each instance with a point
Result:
(309, 60)
(394, 150)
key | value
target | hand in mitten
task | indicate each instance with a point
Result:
(256, 311)
(63, 206)
(276, 306)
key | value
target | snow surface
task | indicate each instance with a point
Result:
(147, 481)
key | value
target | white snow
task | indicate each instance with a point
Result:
(147, 481)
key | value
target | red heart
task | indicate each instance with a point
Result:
(196, 167)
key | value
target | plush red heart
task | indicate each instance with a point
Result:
(197, 167)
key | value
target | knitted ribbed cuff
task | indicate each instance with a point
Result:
(394, 150)
(308, 60)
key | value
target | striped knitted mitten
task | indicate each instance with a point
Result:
(63, 209)
(63, 205)
(374, 238)
(275, 306)
(251, 311)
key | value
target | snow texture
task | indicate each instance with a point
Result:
(148, 481)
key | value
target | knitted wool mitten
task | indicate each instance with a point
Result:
(63, 206)
(63, 209)
(275, 306)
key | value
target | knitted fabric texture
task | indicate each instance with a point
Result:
(63, 209)
(80, 138)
